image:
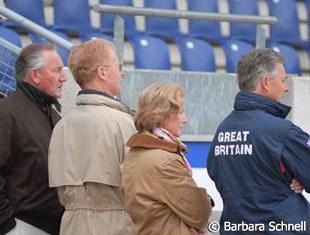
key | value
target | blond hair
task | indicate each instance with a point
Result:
(156, 104)
(85, 58)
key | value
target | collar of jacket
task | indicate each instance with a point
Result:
(37, 96)
(149, 141)
(94, 97)
(251, 101)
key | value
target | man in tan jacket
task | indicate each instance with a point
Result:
(87, 146)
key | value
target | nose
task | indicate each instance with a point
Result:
(287, 88)
(63, 76)
(122, 73)
(185, 119)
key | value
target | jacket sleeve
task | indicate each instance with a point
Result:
(296, 156)
(126, 129)
(7, 221)
(181, 194)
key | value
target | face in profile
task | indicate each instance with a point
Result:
(115, 75)
(51, 76)
(278, 85)
(175, 123)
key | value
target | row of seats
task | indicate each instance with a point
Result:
(196, 54)
(72, 17)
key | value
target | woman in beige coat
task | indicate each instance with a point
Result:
(160, 194)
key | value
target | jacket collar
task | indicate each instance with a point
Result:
(252, 101)
(149, 141)
(37, 96)
(94, 97)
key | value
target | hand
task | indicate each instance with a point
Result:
(296, 186)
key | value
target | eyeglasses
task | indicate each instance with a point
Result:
(120, 66)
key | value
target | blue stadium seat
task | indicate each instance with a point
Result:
(243, 31)
(286, 30)
(150, 53)
(89, 36)
(166, 28)
(107, 20)
(64, 54)
(233, 50)
(72, 17)
(292, 62)
(11, 36)
(31, 9)
(196, 55)
(209, 30)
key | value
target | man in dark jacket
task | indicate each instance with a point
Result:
(27, 118)
(256, 154)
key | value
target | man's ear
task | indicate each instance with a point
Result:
(34, 77)
(265, 83)
(101, 73)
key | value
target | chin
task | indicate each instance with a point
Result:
(178, 135)
(57, 96)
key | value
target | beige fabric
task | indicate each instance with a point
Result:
(160, 195)
(93, 209)
(88, 144)
(85, 156)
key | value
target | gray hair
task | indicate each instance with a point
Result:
(31, 57)
(255, 64)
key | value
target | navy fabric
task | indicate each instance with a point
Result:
(252, 159)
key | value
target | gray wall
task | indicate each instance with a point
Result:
(208, 97)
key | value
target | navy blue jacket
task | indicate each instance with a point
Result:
(253, 157)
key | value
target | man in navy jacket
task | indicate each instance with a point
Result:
(256, 154)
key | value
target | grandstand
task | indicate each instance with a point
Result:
(175, 55)
(200, 93)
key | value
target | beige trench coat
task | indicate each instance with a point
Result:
(160, 194)
(85, 156)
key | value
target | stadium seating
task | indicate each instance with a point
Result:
(72, 17)
(11, 36)
(233, 50)
(31, 9)
(196, 55)
(89, 36)
(286, 30)
(292, 61)
(209, 30)
(150, 53)
(166, 28)
(107, 20)
(243, 31)
(64, 54)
